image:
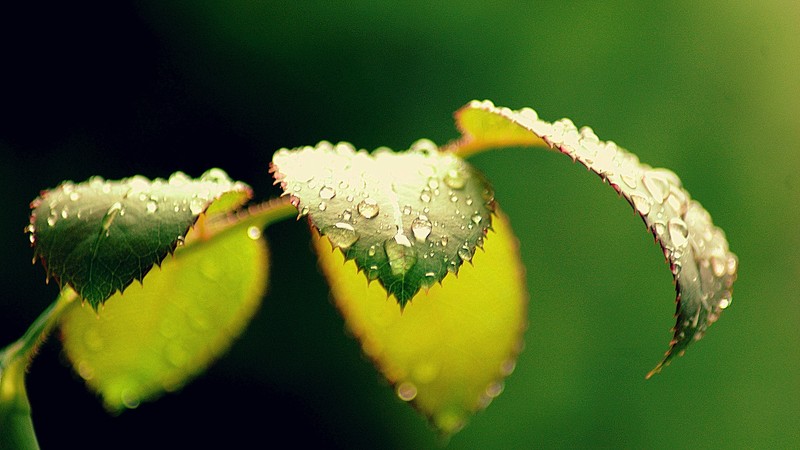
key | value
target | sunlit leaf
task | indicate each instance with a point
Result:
(99, 236)
(407, 219)
(697, 251)
(450, 349)
(157, 336)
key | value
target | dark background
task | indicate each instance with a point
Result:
(709, 90)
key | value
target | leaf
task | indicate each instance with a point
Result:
(158, 336)
(697, 251)
(99, 236)
(407, 219)
(449, 350)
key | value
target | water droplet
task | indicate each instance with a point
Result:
(660, 228)
(197, 205)
(347, 215)
(421, 227)
(465, 253)
(476, 218)
(407, 209)
(304, 211)
(368, 208)
(433, 183)
(425, 196)
(180, 241)
(629, 179)
(372, 272)
(327, 193)
(400, 254)
(74, 196)
(494, 389)
(52, 218)
(151, 207)
(341, 234)
(678, 232)
(468, 201)
(323, 206)
(444, 240)
(725, 301)
(641, 203)
(372, 250)
(733, 263)
(111, 214)
(406, 391)
(454, 179)
(254, 233)
(657, 184)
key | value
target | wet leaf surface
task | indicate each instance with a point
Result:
(703, 267)
(99, 236)
(406, 219)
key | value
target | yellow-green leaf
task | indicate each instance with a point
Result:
(450, 349)
(157, 336)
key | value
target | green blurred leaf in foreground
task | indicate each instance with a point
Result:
(407, 219)
(156, 337)
(100, 235)
(697, 251)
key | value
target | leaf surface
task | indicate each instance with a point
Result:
(407, 219)
(703, 267)
(158, 336)
(449, 350)
(99, 236)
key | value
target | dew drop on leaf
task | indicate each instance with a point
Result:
(327, 193)
(254, 233)
(400, 254)
(368, 208)
(657, 184)
(421, 227)
(454, 179)
(151, 207)
(406, 391)
(464, 253)
(678, 232)
(341, 234)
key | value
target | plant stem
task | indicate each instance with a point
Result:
(15, 411)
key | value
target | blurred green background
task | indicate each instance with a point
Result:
(709, 89)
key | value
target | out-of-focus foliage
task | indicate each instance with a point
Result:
(707, 89)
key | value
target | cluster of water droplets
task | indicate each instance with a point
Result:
(421, 211)
(696, 250)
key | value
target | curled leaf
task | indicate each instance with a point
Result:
(407, 219)
(703, 267)
(98, 236)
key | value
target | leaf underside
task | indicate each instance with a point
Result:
(697, 251)
(99, 236)
(406, 219)
(156, 337)
(450, 349)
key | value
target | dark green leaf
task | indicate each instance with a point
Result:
(100, 235)
(407, 219)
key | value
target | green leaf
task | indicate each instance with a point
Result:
(99, 236)
(450, 350)
(407, 219)
(156, 337)
(697, 251)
